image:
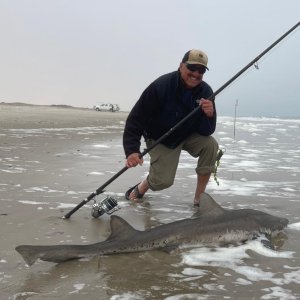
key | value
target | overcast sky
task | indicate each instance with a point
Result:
(79, 52)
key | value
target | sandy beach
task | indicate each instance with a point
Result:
(51, 158)
(40, 116)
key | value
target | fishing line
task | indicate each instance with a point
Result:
(258, 63)
(256, 67)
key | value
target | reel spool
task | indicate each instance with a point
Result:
(108, 205)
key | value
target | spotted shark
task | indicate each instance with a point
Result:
(210, 224)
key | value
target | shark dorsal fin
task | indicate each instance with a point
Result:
(120, 228)
(208, 206)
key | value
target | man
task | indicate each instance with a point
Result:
(161, 106)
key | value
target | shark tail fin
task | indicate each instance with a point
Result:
(29, 253)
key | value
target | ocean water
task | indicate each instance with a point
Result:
(46, 172)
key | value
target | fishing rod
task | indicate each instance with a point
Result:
(109, 205)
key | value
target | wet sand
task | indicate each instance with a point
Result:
(44, 173)
(53, 157)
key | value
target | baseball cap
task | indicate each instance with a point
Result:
(195, 57)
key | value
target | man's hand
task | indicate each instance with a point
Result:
(207, 107)
(133, 160)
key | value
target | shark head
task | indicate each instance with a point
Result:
(242, 220)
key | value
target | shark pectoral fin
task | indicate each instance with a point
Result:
(169, 248)
(268, 244)
(120, 228)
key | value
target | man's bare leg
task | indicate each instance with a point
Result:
(202, 181)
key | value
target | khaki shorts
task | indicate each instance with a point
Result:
(164, 161)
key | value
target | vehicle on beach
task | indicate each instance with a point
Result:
(107, 107)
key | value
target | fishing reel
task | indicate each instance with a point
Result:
(108, 205)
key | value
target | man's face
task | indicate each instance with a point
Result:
(191, 74)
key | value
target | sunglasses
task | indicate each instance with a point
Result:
(194, 68)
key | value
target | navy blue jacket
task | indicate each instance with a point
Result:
(161, 106)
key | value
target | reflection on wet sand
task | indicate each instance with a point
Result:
(45, 172)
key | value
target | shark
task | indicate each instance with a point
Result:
(210, 224)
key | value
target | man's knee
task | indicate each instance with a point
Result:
(212, 145)
(159, 184)
(207, 157)
(210, 149)
(198, 145)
